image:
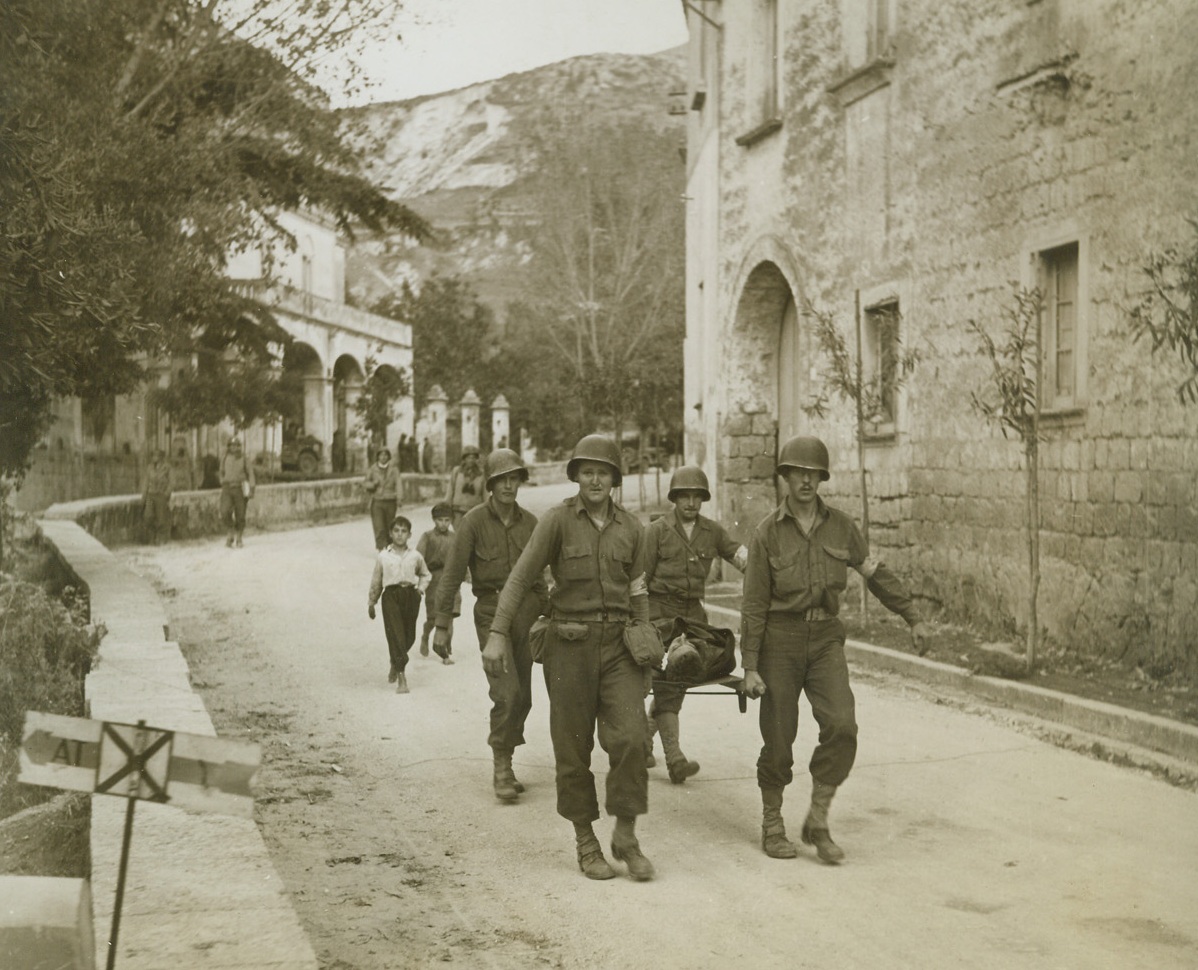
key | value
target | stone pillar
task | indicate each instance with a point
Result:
(470, 406)
(328, 423)
(501, 417)
(437, 409)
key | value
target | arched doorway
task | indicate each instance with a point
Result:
(347, 388)
(304, 414)
(764, 391)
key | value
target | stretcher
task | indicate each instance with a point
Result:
(730, 683)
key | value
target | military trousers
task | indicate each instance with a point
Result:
(796, 657)
(510, 691)
(594, 682)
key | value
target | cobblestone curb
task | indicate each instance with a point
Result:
(1148, 731)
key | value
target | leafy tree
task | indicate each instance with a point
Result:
(453, 335)
(375, 405)
(1168, 313)
(141, 142)
(871, 394)
(548, 405)
(606, 274)
(1016, 367)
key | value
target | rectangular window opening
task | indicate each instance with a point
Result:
(880, 360)
(1059, 325)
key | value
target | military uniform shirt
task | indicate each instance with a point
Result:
(677, 566)
(789, 572)
(595, 571)
(490, 550)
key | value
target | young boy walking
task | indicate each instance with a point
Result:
(434, 546)
(400, 576)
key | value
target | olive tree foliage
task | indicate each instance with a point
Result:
(453, 335)
(605, 288)
(375, 404)
(1012, 402)
(870, 393)
(142, 142)
(1167, 314)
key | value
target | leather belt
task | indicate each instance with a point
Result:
(595, 616)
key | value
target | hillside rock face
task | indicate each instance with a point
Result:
(462, 160)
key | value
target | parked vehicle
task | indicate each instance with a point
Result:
(302, 454)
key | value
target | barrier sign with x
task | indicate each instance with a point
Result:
(134, 761)
(190, 771)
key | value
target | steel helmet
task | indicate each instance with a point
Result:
(690, 478)
(504, 460)
(595, 447)
(804, 452)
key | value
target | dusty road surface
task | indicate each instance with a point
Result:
(969, 844)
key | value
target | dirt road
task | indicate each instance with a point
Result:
(969, 844)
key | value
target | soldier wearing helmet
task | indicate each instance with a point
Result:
(489, 540)
(595, 550)
(466, 486)
(679, 550)
(792, 640)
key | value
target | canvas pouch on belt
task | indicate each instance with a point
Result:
(644, 643)
(565, 630)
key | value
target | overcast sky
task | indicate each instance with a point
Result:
(451, 43)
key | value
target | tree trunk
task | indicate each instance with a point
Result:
(1033, 550)
(861, 449)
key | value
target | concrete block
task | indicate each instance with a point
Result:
(45, 923)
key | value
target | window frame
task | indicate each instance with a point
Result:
(764, 73)
(1038, 261)
(874, 299)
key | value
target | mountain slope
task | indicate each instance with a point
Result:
(462, 160)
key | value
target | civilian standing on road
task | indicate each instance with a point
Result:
(489, 542)
(435, 546)
(792, 641)
(466, 485)
(236, 489)
(400, 576)
(595, 551)
(679, 550)
(382, 485)
(156, 500)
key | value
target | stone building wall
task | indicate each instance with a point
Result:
(990, 133)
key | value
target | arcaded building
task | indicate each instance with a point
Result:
(922, 161)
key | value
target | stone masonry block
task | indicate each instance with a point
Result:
(737, 469)
(1120, 454)
(738, 424)
(1139, 451)
(45, 922)
(764, 424)
(762, 466)
(1129, 486)
(1102, 487)
(1071, 456)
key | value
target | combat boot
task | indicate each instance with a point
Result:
(625, 848)
(650, 730)
(504, 779)
(678, 764)
(773, 829)
(590, 854)
(815, 827)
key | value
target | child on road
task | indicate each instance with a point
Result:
(400, 577)
(434, 546)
